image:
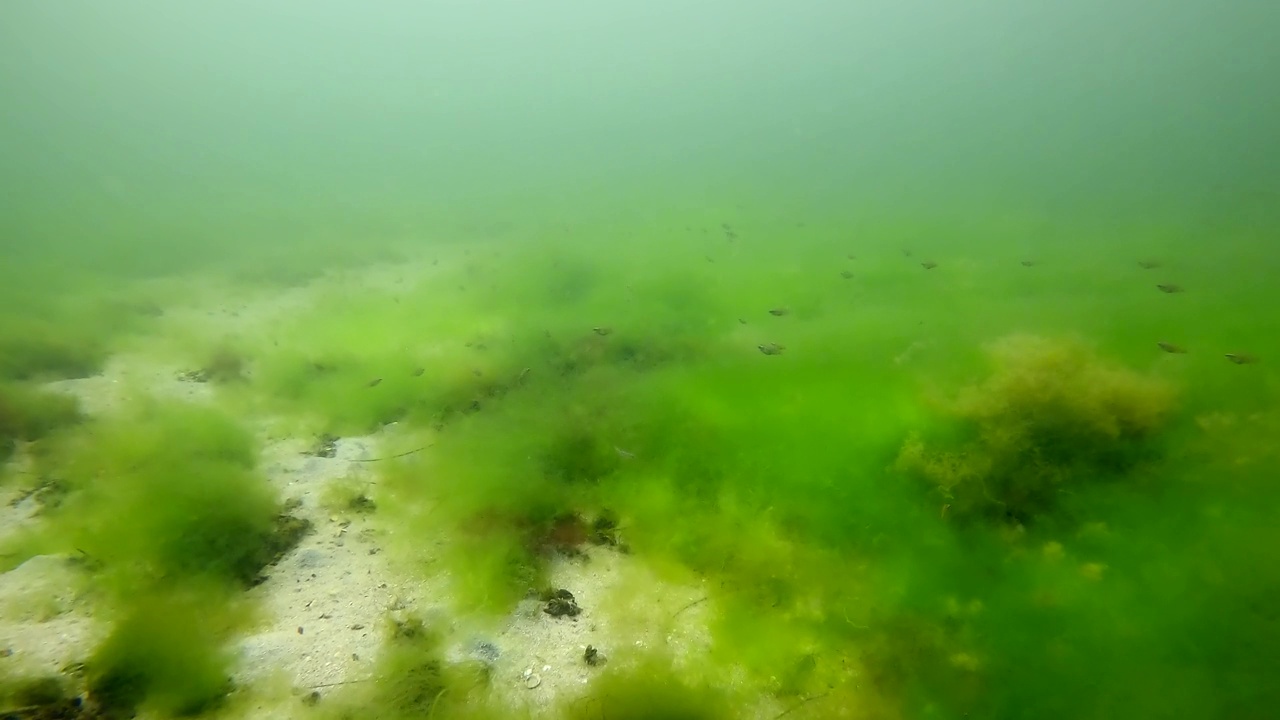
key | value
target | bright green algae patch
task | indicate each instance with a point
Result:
(894, 514)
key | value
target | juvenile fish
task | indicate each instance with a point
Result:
(1171, 348)
(928, 264)
(779, 312)
(1169, 288)
(771, 348)
(1242, 358)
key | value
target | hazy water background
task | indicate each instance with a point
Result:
(184, 127)
(610, 140)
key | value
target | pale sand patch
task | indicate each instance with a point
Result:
(46, 622)
(627, 611)
(327, 601)
(127, 377)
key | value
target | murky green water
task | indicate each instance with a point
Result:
(1004, 447)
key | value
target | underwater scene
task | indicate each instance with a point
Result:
(616, 360)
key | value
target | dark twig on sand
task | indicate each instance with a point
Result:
(699, 601)
(343, 682)
(799, 705)
(393, 457)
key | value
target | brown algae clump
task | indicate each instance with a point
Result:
(1051, 414)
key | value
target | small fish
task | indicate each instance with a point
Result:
(1171, 348)
(779, 311)
(373, 383)
(771, 348)
(1148, 264)
(523, 374)
(602, 331)
(742, 321)
(1242, 358)
(851, 256)
(1169, 288)
(623, 453)
(906, 252)
(928, 264)
(846, 275)
(417, 372)
(1028, 263)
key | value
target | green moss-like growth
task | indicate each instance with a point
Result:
(1051, 415)
(30, 349)
(57, 324)
(27, 414)
(165, 652)
(224, 365)
(33, 693)
(413, 680)
(578, 454)
(348, 496)
(171, 493)
(649, 691)
(914, 659)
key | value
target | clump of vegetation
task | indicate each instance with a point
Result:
(1050, 416)
(224, 365)
(647, 691)
(166, 653)
(916, 659)
(55, 324)
(32, 350)
(171, 493)
(27, 415)
(33, 694)
(348, 495)
(579, 454)
(414, 680)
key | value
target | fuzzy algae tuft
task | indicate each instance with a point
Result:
(1051, 415)
(28, 414)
